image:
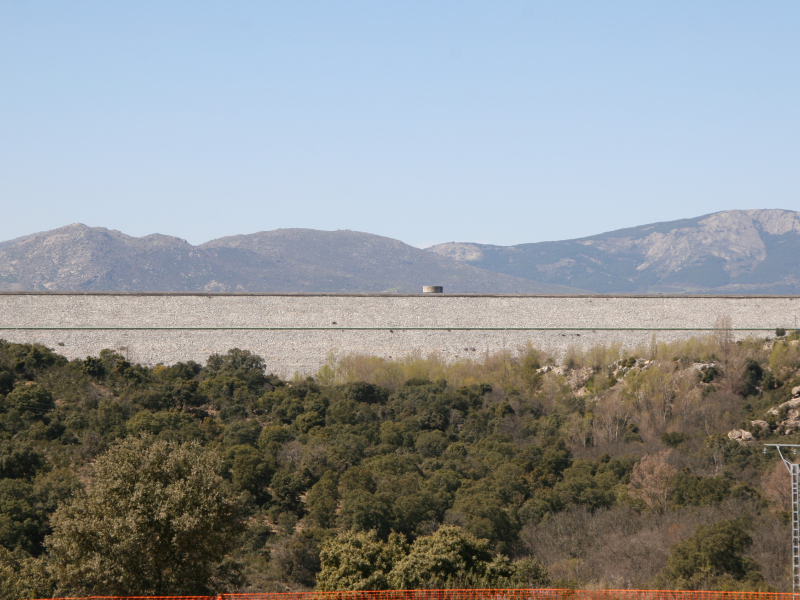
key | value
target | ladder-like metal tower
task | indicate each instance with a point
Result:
(794, 471)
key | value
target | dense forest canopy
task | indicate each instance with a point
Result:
(616, 468)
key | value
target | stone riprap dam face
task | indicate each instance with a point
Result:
(298, 332)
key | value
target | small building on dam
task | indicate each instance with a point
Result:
(297, 332)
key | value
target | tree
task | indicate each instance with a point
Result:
(358, 561)
(651, 481)
(322, 500)
(22, 576)
(713, 558)
(237, 375)
(297, 557)
(157, 519)
(251, 471)
(29, 399)
(361, 391)
(451, 558)
(19, 461)
(777, 486)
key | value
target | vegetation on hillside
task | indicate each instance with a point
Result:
(614, 468)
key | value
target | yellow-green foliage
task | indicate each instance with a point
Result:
(784, 358)
(507, 370)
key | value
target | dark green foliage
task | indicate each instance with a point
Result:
(361, 391)
(297, 557)
(6, 381)
(323, 500)
(693, 490)
(713, 558)
(28, 360)
(594, 484)
(287, 487)
(385, 467)
(172, 425)
(94, 367)
(235, 377)
(19, 461)
(708, 373)
(752, 376)
(21, 524)
(252, 471)
(673, 439)
(29, 399)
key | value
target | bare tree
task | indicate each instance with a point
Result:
(723, 335)
(611, 415)
(653, 393)
(651, 481)
(776, 484)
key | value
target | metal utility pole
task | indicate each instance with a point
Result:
(794, 471)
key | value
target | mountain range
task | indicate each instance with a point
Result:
(81, 258)
(729, 252)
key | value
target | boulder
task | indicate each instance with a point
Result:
(793, 403)
(740, 435)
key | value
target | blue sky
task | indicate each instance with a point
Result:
(498, 122)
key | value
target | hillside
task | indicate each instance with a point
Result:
(737, 251)
(81, 258)
(616, 469)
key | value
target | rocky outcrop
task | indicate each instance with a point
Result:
(781, 419)
(740, 435)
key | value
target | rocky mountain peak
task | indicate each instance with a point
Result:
(736, 251)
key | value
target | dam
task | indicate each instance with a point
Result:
(298, 332)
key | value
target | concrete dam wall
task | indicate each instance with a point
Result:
(296, 332)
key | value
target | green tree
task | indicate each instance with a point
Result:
(713, 558)
(323, 499)
(361, 391)
(22, 576)
(235, 376)
(251, 471)
(451, 558)
(31, 399)
(480, 507)
(358, 561)
(19, 461)
(157, 519)
(297, 557)
(361, 510)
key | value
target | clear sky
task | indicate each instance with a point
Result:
(497, 121)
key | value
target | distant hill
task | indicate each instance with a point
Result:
(81, 258)
(730, 252)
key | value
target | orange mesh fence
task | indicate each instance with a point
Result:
(472, 594)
